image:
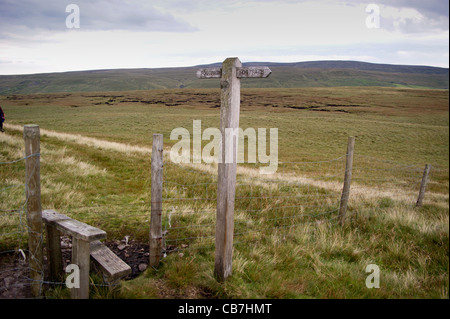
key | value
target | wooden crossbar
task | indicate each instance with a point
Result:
(72, 227)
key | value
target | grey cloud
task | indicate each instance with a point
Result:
(435, 13)
(433, 9)
(94, 15)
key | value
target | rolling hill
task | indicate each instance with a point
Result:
(284, 75)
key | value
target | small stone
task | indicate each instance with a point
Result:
(8, 281)
(121, 247)
(64, 245)
(142, 267)
(181, 254)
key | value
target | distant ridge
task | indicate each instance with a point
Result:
(285, 75)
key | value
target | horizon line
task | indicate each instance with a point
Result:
(213, 63)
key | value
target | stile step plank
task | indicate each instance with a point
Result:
(109, 262)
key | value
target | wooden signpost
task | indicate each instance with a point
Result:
(230, 75)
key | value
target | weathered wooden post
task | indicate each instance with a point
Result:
(54, 253)
(81, 258)
(31, 135)
(230, 75)
(423, 185)
(156, 205)
(347, 179)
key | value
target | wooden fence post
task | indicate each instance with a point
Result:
(156, 205)
(423, 185)
(347, 179)
(31, 135)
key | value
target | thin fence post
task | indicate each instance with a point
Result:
(31, 135)
(423, 185)
(347, 179)
(156, 205)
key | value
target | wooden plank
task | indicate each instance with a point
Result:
(50, 216)
(253, 72)
(73, 227)
(114, 267)
(209, 73)
(347, 180)
(423, 185)
(54, 253)
(80, 230)
(242, 72)
(229, 118)
(81, 258)
(31, 134)
(156, 204)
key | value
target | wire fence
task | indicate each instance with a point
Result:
(299, 193)
(15, 267)
(303, 192)
(15, 255)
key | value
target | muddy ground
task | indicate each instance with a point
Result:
(15, 280)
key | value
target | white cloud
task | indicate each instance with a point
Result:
(135, 34)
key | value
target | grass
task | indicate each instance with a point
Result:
(290, 75)
(96, 168)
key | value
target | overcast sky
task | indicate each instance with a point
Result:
(39, 35)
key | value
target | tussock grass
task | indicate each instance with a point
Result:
(287, 240)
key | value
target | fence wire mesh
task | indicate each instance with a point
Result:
(14, 232)
(299, 193)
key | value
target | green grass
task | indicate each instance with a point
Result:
(284, 75)
(288, 243)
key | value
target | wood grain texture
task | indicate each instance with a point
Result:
(156, 244)
(109, 263)
(72, 227)
(31, 134)
(81, 258)
(423, 185)
(229, 118)
(347, 180)
(253, 72)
